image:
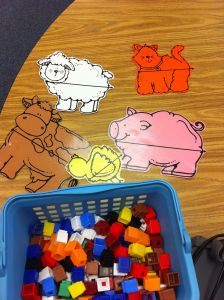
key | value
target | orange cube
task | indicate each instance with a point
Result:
(52, 242)
(151, 283)
(46, 246)
(79, 257)
(58, 252)
(71, 246)
(85, 298)
(134, 235)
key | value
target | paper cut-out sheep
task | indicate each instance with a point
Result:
(74, 80)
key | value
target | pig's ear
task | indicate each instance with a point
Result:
(131, 111)
(144, 125)
(136, 47)
(55, 116)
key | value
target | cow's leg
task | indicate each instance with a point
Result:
(35, 186)
(74, 104)
(88, 107)
(64, 105)
(12, 167)
(54, 182)
(5, 156)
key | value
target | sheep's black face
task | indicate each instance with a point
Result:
(56, 73)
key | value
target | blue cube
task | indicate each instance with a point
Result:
(78, 274)
(66, 225)
(101, 297)
(129, 286)
(49, 287)
(57, 227)
(34, 251)
(36, 229)
(123, 242)
(30, 276)
(99, 246)
(110, 294)
(120, 296)
(87, 220)
(124, 264)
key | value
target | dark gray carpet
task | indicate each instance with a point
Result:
(22, 23)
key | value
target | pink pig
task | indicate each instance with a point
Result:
(161, 138)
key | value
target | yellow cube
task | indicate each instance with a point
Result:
(147, 250)
(77, 289)
(48, 229)
(125, 216)
(136, 250)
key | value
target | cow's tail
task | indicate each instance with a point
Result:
(69, 182)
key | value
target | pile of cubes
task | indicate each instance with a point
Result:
(87, 257)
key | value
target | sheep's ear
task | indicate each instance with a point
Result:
(43, 62)
(136, 47)
(69, 66)
(28, 102)
(55, 116)
(131, 111)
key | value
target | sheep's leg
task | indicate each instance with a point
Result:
(89, 107)
(74, 104)
(64, 104)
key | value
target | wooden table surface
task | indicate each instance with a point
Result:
(103, 32)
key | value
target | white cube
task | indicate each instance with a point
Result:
(76, 223)
(91, 277)
(69, 276)
(62, 236)
(98, 218)
(45, 273)
(88, 234)
(76, 237)
(116, 272)
(49, 298)
(103, 284)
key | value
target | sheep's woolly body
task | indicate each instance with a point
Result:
(87, 82)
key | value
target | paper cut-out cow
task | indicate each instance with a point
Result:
(40, 143)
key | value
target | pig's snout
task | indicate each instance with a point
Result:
(114, 129)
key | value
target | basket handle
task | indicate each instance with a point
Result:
(2, 250)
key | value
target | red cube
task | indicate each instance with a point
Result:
(135, 296)
(47, 260)
(111, 240)
(120, 251)
(91, 287)
(164, 261)
(117, 229)
(150, 215)
(30, 291)
(156, 241)
(153, 227)
(138, 270)
(102, 227)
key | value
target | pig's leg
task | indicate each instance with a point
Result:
(12, 167)
(88, 107)
(64, 104)
(125, 161)
(139, 163)
(187, 167)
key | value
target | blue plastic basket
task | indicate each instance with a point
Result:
(21, 210)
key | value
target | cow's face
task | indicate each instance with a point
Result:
(36, 117)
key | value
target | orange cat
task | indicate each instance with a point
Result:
(160, 74)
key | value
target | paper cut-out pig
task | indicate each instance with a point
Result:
(160, 138)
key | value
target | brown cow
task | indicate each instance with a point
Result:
(40, 143)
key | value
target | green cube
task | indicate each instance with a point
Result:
(63, 289)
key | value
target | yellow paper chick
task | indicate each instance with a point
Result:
(103, 165)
